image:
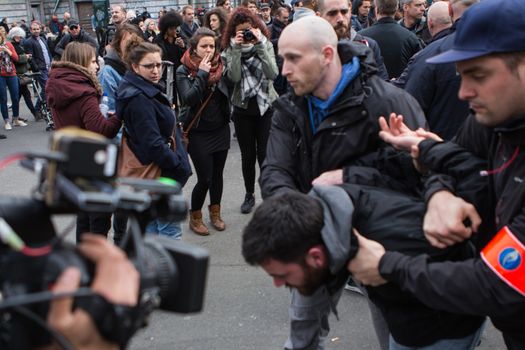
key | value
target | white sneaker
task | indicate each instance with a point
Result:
(8, 126)
(19, 123)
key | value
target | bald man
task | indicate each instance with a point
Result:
(438, 18)
(331, 117)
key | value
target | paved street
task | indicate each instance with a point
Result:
(243, 309)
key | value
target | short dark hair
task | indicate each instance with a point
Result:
(280, 10)
(245, 3)
(199, 34)
(168, 20)
(387, 7)
(511, 59)
(284, 227)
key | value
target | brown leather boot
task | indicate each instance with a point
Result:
(215, 217)
(196, 224)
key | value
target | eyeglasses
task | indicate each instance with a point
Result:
(151, 66)
(73, 27)
(333, 13)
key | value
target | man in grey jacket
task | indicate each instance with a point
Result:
(305, 241)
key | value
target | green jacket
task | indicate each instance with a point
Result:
(232, 59)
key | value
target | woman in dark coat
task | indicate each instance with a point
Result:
(149, 122)
(198, 78)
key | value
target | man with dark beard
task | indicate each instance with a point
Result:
(304, 241)
(337, 13)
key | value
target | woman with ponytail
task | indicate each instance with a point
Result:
(203, 91)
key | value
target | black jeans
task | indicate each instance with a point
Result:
(98, 223)
(24, 91)
(252, 134)
(209, 168)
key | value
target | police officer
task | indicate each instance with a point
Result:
(492, 66)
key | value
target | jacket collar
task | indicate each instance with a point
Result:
(386, 20)
(92, 77)
(141, 85)
(513, 131)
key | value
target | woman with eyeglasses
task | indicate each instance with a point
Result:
(73, 94)
(200, 81)
(251, 67)
(149, 123)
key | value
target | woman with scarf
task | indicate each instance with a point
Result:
(16, 36)
(200, 81)
(250, 66)
(8, 81)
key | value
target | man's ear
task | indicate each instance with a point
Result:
(317, 257)
(328, 53)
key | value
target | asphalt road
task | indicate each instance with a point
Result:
(243, 310)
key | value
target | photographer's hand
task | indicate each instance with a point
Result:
(257, 33)
(116, 279)
(239, 38)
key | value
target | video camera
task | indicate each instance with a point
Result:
(79, 175)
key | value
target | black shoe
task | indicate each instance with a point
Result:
(249, 202)
(38, 116)
(2, 136)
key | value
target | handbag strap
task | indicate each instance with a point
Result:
(199, 112)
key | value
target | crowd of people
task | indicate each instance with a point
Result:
(359, 115)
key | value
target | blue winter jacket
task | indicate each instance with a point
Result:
(148, 123)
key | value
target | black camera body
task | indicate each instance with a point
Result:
(248, 35)
(79, 175)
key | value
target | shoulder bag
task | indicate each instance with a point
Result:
(186, 130)
(130, 166)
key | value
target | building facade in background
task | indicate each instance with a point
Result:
(41, 10)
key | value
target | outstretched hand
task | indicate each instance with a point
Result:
(400, 136)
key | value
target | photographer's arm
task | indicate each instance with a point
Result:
(116, 279)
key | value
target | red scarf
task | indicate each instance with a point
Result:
(192, 62)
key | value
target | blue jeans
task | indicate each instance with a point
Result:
(165, 228)
(468, 343)
(10, 83)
